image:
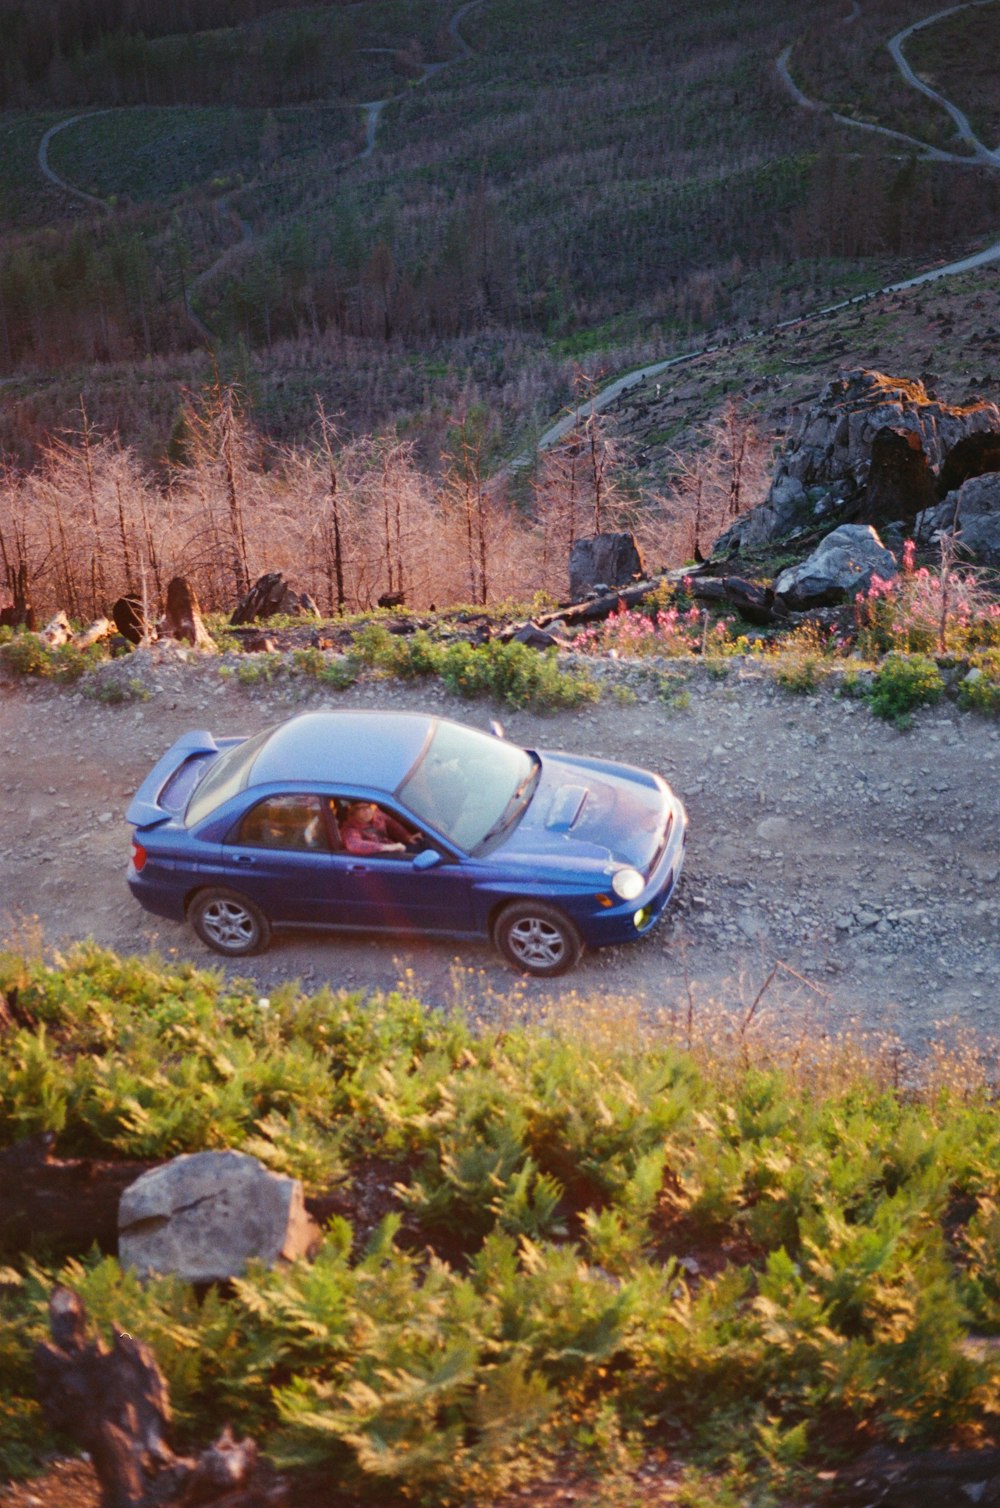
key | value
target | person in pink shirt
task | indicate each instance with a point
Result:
(368, 830)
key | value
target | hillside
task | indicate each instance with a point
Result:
(532, 197)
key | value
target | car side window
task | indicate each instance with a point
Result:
(368, 829)
(295, 822)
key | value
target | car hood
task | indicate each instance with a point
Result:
(589, 812)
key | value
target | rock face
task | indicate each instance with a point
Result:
(828, 461)
(971, 515)
(271, 595)
(206, 1214)
(607, 559)
(900, 480)
(844, 563)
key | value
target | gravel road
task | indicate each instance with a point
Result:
(863, 859)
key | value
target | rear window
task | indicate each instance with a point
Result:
(176, 794)
(227, 777)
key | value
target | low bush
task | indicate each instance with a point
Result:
(902, 683)
(979, 688)
(26, 654)
(599, 1234)
(515, 674)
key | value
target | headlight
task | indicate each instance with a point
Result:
(627, 883)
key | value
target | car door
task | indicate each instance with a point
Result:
(279, 855)
(399, 892)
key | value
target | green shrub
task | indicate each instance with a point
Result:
(331, 670)
(979, 689)
(902, 683)
(596, 1238)
(26, 654)
(515, 674)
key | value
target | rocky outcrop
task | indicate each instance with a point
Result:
(602, 561)
(270, 596)
(205, 1215)
(827, 464)
(970, 516)
(843, 564)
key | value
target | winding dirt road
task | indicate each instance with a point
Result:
(979, 153)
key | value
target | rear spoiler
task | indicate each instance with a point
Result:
(145, 809)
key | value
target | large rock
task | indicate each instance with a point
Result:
(900, 480)
(609, 559)
(205, 1215)
(843, 563)
(827, 461)
(270, 595)
(971, 516)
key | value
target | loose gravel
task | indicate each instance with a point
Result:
(853, 865)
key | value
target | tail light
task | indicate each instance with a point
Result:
(138, 855)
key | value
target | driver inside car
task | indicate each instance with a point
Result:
(367, 829)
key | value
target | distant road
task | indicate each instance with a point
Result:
(371, 109)
(979, 154)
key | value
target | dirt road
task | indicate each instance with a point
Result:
(864, 859)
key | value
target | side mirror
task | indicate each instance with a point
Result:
(427, 858)
(497, 728)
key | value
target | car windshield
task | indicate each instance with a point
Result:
(227, 776)
(468, 786)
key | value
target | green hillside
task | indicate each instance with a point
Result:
(601, 189)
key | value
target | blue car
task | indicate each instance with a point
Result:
(403, 823)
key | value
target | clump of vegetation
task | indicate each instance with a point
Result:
(979, 688)
(515, 674)
(903, 683)
(803, 659)
(670, 627)
(715, 1242)
(28, 655)
(923, 611)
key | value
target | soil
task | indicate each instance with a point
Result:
(861, 861)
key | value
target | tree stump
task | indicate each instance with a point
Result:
(113, 1400)
(182, 617)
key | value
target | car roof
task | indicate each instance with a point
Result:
(374, 749)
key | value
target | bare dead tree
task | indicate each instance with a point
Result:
(333, 533)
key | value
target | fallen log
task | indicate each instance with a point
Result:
(101, 628)
(114, 1401)
(56, 632)
(756, 604)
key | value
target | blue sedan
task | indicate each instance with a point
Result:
(404, 823)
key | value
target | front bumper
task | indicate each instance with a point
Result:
(626, 920)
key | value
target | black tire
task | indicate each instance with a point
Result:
(537, 939)
(228, 923)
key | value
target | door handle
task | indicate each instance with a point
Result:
(244, 858)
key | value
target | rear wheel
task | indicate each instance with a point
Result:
(229, 923)
(537, 939)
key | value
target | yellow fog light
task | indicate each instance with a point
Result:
(641, 917)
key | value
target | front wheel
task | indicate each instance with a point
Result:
(537, 939)
(229, 923)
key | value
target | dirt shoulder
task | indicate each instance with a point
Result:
(863, 859)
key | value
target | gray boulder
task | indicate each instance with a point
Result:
(612, 559)
(971, 516)
(842, 564)
(205, 1215)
